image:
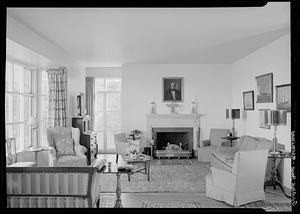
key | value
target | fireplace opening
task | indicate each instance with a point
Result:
(169, 139)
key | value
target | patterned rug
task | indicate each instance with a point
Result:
(175, 162)
(171, 178)
(266, 205)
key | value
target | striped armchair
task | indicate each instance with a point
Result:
(50, 187)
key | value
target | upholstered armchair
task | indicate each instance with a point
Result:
(244, 183)
(122, 144)
(207, 147)
(64, 148)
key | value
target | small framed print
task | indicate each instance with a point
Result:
(248, 99)
(261, 124)
(283, 97)
(264, 88)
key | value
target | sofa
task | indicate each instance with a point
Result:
(51, 187)
(223, 156)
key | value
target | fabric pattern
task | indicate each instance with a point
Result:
(64, 147)
(57, 79)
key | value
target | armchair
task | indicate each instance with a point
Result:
(244, 183)
(55, 159)
(207, 147)
(121, 144)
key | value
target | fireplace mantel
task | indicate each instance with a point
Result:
(175, 120)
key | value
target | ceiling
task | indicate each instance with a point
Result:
(102, 37)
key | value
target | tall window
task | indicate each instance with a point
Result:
(107, 117)
(18, 104)
(43, 106)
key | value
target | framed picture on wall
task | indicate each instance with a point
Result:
(261, 124)
(264, 88)
(283, 97)
(172, 89)
(248, 100)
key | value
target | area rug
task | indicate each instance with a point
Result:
(163, 178)
(266, 205)
(175, 162)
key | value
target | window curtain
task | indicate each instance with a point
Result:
(57, 79)
(89, 88)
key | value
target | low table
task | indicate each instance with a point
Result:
(175, 153)
(145, 159)
(231, 139)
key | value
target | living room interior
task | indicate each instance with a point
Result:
(161, 107)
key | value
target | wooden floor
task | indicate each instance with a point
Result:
(131, 200)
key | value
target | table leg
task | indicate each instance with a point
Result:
(148, 170)
(118, 203)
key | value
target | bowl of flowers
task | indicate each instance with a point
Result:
(133, 151)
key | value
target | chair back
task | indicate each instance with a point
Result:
(120, 137)
(11, 150)
(250, 169)
(215, 136)
(121, 143)
(58, 132)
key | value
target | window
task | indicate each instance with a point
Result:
(18, 104)
(43, 106)
(107, 113)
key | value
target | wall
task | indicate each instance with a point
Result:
(275, 58)
(209, 85)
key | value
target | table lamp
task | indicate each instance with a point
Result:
(234, 114)
(274, 118)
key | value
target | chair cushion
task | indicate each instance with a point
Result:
(215, 136)
(64, 147)
(57, 133)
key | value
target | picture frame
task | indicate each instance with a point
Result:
(172, 89)
(283, 97)
(264, 88)
(261, 124)
(248, 100)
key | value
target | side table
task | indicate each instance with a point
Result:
(274, 179)
(230, 138)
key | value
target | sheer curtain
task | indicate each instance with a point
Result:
(89, 84)
(57, 79)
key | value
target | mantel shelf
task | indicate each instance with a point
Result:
(183, 116)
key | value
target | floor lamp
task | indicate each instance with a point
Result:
(235, 114)
(274, 118)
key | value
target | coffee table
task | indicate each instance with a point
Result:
(145, 159)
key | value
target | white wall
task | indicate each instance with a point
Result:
(209, 85)
(275, 58)
(41, 52)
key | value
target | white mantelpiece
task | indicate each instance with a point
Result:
(175, 120)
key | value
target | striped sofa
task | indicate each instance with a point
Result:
(48, 187)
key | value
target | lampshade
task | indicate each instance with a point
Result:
(235, 113)
(274, 117)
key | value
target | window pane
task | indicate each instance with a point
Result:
(113, 102)
(18, 134)
(8, 131)
(18, 78)
(44, 106)
(27, 108)
(27, 135)
(43, 128)
(99, 120)
(99, 101)
(27, 81)
(110, 140)
(8, 76)
(99, 85)
(44, 83)
(113, 120)
(8, 107)
(16, 107)
(113, 85)
(100, 140)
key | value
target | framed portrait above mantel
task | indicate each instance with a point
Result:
(172, 89)
(248, 100)
(283, 97)
(264, 88)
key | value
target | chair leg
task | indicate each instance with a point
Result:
(117, 158)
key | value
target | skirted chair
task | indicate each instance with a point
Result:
(207, 147)
(244, 183)
(122, 144)
(64, 148)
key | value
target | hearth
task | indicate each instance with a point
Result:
(173, 142)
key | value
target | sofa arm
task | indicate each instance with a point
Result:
(223, 179)
(227, 149)
(80, 150)
(205, 143)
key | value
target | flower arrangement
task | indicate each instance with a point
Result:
(135, 133)
(133, 151)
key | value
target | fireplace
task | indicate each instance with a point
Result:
(179, 138)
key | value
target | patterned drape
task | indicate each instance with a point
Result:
(57, 96)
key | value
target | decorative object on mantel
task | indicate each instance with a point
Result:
(194, 107)
(274, 118)
(235, 114)
(172, 106)
(153, 107)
